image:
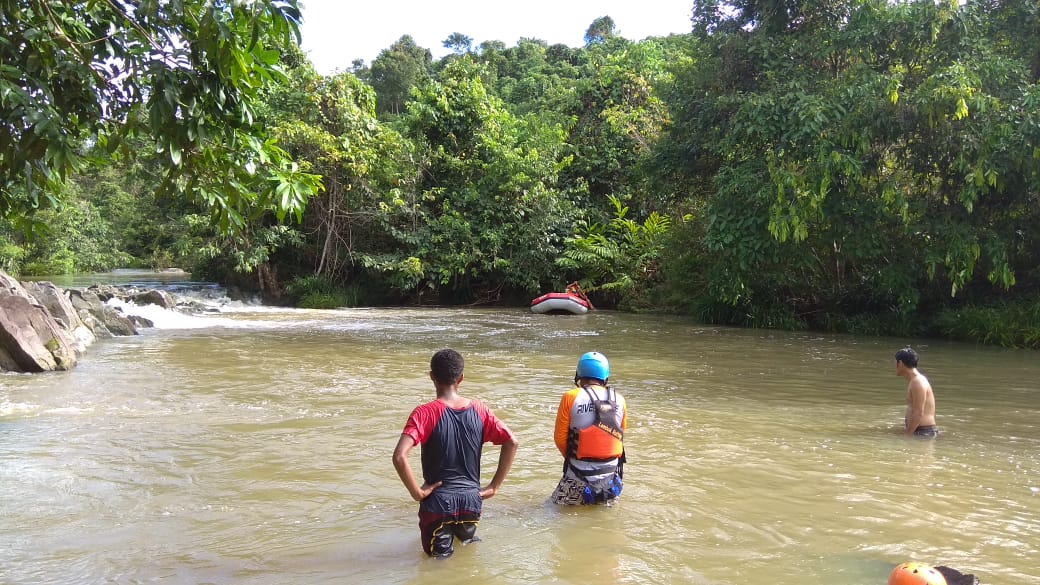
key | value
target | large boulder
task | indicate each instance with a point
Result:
(103, 319)
(59, 303)
(31, 340)
(117, 323)
(154, 297)
(11, 286)
(89, 308)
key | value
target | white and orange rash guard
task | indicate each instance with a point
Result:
(576, 413)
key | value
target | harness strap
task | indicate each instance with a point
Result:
(614, 431)
(611, 429)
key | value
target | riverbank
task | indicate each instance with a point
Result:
(44, 327)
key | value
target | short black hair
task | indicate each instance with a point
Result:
(907, 356)
(446, 366)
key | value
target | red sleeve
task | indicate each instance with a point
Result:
(495, 431)
(422, 421)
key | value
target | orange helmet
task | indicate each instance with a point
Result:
(915, 574)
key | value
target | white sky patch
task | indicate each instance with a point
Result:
(336, 32)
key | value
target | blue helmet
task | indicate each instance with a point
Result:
(593, 365)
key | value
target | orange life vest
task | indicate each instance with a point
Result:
(603, 439)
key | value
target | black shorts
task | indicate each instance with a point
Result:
(929, 432)
(446, 515)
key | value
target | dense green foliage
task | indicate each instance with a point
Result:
(396, 71)
(184, 74)
(848, 165)
(867, 162)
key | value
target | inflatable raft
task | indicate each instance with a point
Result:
(557, 302)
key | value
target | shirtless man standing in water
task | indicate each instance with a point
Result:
(920, 401)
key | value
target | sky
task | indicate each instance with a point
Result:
(336, 32)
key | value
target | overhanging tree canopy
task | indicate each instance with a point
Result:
(183, 72)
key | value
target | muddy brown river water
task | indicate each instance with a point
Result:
(252, 446)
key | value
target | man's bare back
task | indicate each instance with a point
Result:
(920, 400)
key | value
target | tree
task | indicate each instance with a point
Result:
(396, 70)
(867, 158)
(184, 74)
(618, 118)
(621, 257)
(360, 70)
(769, 16)
(330, 122)
(459, 43)
(600, 30)
(488, 216)
(521, 77)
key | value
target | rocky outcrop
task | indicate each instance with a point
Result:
(104, 320)
(58, 302)
(46, 328)
(31, 340)
(154, 297)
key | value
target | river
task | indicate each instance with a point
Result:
(252, 446)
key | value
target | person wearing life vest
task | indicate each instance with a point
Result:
(590, 432)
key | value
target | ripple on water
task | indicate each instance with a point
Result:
(257, 450)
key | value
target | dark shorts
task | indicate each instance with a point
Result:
(574, 492)
(446, 515)
(929, 432)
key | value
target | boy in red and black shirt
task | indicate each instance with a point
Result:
(452, 431)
